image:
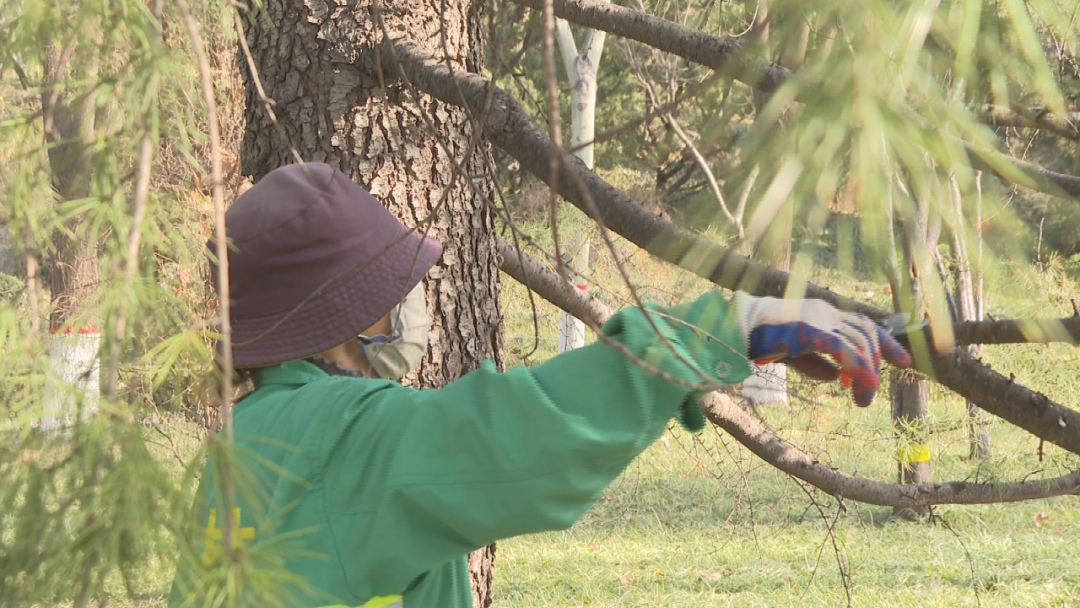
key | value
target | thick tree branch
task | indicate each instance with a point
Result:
(1018, 331)
(508, 127)
(770, 447)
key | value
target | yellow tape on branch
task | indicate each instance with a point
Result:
(917, 452)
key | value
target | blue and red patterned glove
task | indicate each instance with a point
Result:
(796, 331)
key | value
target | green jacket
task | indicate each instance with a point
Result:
(368, 488)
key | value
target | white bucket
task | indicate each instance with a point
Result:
(768, 385)
(75, 356)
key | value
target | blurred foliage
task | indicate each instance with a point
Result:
(92, 503)
(871, 132)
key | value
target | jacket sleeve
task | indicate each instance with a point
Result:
(426, 476)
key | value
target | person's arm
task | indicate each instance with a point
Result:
(429, 475)
(433, 474)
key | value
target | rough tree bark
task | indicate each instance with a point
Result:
(321, 65)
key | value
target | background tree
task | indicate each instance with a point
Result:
(581, 71)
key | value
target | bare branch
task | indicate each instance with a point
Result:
(1018, 331)
(511, 129)
(770, 447)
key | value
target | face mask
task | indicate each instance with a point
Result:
(393, 356)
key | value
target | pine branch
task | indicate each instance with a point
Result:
(770, 447)
(507, 126)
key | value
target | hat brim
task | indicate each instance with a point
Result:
(339, 310)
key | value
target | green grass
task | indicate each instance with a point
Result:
(697, 521)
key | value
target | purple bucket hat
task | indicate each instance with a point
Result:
(314, 260)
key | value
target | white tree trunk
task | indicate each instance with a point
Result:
(581, 69)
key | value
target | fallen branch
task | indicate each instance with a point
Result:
(508, 127)
(722, 411)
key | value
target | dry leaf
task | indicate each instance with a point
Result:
(713, 576)
(626, 578)
(1040, 519)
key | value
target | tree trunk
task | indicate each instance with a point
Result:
(967, 309)
(908, 393)
(320, 65)
(581, 70)
(572, 329)
(73, 272)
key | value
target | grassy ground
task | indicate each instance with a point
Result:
(696, 521)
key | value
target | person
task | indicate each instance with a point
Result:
(373, 492)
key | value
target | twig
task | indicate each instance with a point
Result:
(845, 577)
(555, 134)
(131, 261)
(699, 159)
(222, 252)
(222, 245)
(967, 554)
